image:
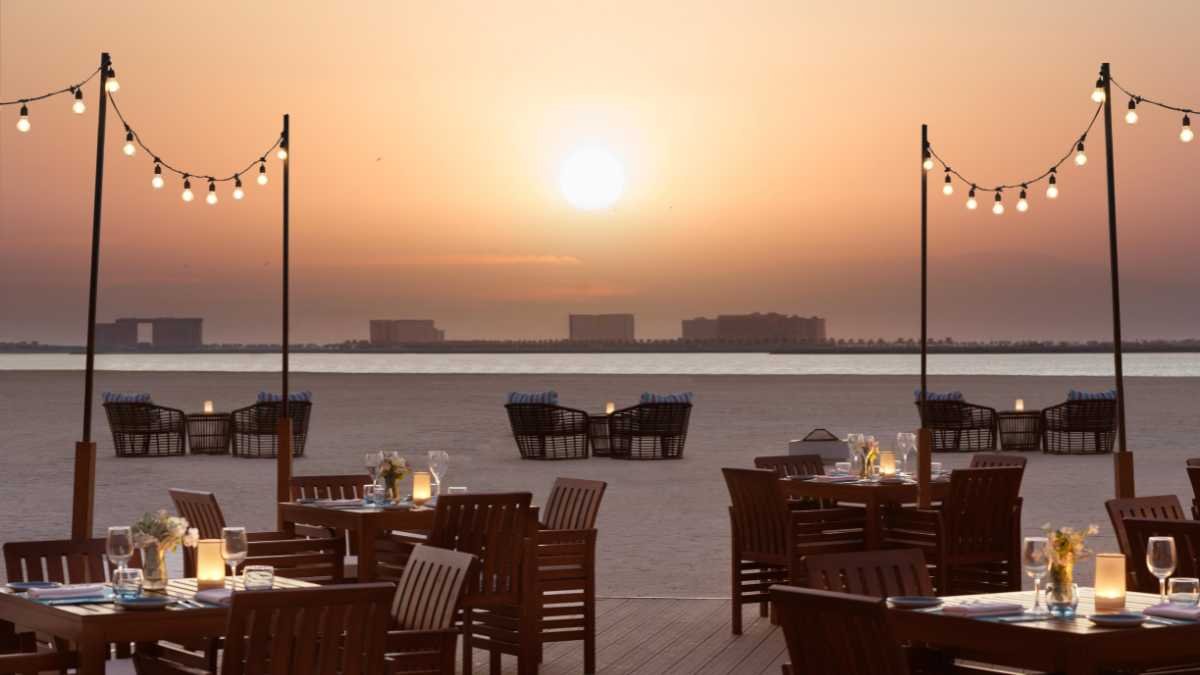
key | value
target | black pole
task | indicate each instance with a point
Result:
(97, 196)
(924, 265)
(286, 145)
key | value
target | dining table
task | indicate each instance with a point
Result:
(93, 626)
(872, 495)
(364, 522)
(1072, 646)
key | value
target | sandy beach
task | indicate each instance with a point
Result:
(663, 525)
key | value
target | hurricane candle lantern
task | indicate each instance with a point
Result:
(887, 464)
(208, 407)
(421, 491)
(609, 408)
(210, 566)
(1019, 406)
(1110, 582)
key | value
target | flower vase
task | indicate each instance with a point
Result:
(154, 567)
(1062, 594)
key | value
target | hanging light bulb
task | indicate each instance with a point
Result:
(1186, 134)
(129, 148)
(926, 164)
(212, 192)
(238, 192)
(23, 123)
(1022, 203)
(971, 203)
(157, 181)
(1052, 188)
(1131, 116)
(1080, 156)
(282, 153)
(948, 186)
(111, 84)
(1098, 92)
(262, 172)
(998, 206)
(79, 106)
(187, 190)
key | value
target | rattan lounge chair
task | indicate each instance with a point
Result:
(256, 432)
(959, 426)
(1080, 427)
(146, 429)
(649, 431)
(547, 431)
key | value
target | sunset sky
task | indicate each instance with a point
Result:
(769, 152)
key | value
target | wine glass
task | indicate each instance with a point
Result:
(439, 463)
(120, 545)
(906, 442)
(234, 548)
(371, 461)
(1035, 557)
(1160, 559)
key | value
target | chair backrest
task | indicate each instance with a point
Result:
(1187, 549)
(1193, 461)
(1159, 507)
(792, 465)
(991, 460)
(758, 511)
(431, 587)
(201, 511)
(61, 560)
(831, 633)
(125, 415)
(573, 504)
(982, 511)
(942, 413)
(879, 574)
(492, 527)
(332, 630)
(348, 486)
(1193, 472)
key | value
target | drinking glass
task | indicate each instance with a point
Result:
(842, 468)
(234, 548)
(1160, 559)
(258, 577)
(1035, 558)
(371, 461)
(120, 545)
(127, 583)
(935, 469)
(1183, 591)
(906, 442)
(439, 464)
(854, 444)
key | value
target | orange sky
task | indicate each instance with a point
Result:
(769, 149)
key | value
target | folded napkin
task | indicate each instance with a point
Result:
(983, 608)
(215, 596)
(834, 479)
(338, 502)
(69, 591)
(1173, 612)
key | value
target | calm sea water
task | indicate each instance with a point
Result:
(1101, 365)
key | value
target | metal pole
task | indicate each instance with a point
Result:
(924, 435)
(1123, 461)
(284, 457)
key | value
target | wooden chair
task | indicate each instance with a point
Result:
(830, 633)
(959, 426)
(256, 428)
(879, 574)
(422, 638)
(498, 606)
(1187, 549)
(1193, 472)
(333, 630)
(972, 539)
(545, 431)
(792, 465)
(770, 539)
(1080, 427)
(649, 431)
(992, 460)
(1162, 507)
(573, 504)
(37, 662)
(146, 429)
(348, 486)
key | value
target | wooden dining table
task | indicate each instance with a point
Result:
(871, 495)
(1072, 646)
(365, 523)
(93, 627)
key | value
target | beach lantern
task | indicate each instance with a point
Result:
(887, 464)
(210, 566)
(1019, 406)
(609, 408)
(208, 407)
(421, 491)
(1110, 582)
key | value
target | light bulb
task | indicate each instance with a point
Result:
(1098, 92)
(1052, 188)
(111, 84)
(23, 123)
(998, 206)
(1131, 117)
(187, 191)
(79, 106)
(282, 154)
(157, 181)
(1022, 203)
(1186, 134)
(212, 193)
(262, 173)
(971, 203)
(238, 192)
(1080, 157)
(948, 186)
(928, 163)
(129, 148)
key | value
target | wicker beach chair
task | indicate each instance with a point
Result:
(649, 431)
(256, 432)
(959, 426)
(146, 429)
(547, 431)
(1080, 427)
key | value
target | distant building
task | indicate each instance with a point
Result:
(388, 332)
(772, 327)
(602, 327)
(166, 333)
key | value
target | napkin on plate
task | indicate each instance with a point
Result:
(69, 591)
(1173, 612)
(831, 478)
(215, 596)
(983, 608)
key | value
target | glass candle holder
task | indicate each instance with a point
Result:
(210, 566)
(1110, 582)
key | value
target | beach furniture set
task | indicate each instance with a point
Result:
(655, 428)
(1085, 423)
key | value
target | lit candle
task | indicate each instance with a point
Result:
(1110, 582)
(210, 566)
(609, 408)
(421, 487)
(887, 463)
(1019, 406)
(208, 407)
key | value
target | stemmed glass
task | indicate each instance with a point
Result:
(906, 442)
(439, 463)
(1035, 557)
(234, 548)
(119, 545)
(1160, 559)
(371, 461)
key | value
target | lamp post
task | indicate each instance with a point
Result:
(284, 457)
(924, 435)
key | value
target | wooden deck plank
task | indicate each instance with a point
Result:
(720, 640)
(654, 640)
(754, 637)
(705, 620)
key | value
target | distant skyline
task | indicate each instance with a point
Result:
(766, 157)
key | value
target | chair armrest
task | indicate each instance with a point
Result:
(146, 664)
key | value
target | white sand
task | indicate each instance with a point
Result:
(663, 525)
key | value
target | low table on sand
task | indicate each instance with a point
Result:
(871, 495)
(365, 523)
(209, 433)
(1019, 429)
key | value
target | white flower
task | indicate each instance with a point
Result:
(192, 538)
(177, 527)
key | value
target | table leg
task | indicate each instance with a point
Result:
(872, 537)
(93, 654)
(366, 553)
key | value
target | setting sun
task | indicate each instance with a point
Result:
(591, 178)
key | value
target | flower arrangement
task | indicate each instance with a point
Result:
(392, 470)
(1067, 547)
(164, 530)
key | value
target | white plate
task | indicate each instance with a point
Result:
(1122, 620)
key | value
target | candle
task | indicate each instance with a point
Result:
(421, 487)
(208, 408)
(210, 566)
(609, 408)
(887, 463)
(1019, 406)
(1110, 582)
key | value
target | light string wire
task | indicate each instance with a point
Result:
(68, 89)
(188, 174)
(1138, 100)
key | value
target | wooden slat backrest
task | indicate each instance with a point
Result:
(333, 630)
(877, 574)
(573, 504)
(201, 511)
(59, 560)
(328, 487)
(1193, 472)
(758, 511)
(429, 591)
(991, 460)
(830, 633)
(1187, 549)
(492, 527)
(1193, 461)
(980, 511)
(792, 465)
(1158, 507)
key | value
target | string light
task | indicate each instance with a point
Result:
(1080, 155)
(1052, 188)
(238, 192)
(112, 85)
(212, 193)
(998, 206)
(948, 186)
(79, 106)
(282, 154)
(971, 203)
(926, 163)
(129, 148)
(23, 123)
(187, 190)
(157, 181)
(1186, 134)
(1131, 117)
(262, 172)
(1098, 92)
(1022, 203)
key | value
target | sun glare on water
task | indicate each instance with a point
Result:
(591, 179)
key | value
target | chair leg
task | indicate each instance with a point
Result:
(763, 608)
(494, 663)
(736, 600)
(467, 650)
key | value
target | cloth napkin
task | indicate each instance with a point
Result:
(70, 591)
(338, 502)
(983, 609)
(834, 479)
(215, 596)
(1173, 612)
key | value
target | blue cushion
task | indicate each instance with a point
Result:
(546, 397)
(683, 397)
(271, 397)
(115, 397)
(1110, 395)
(936, 396)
